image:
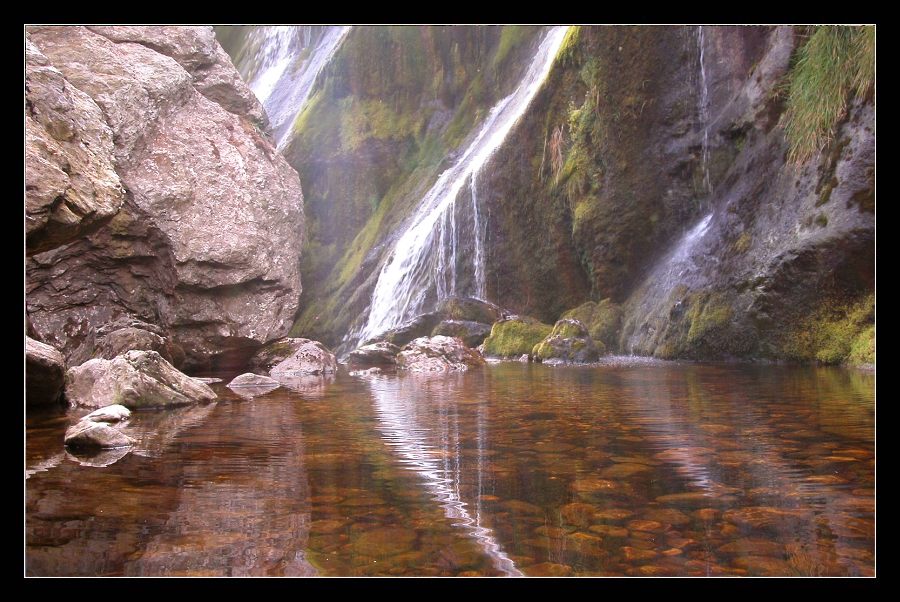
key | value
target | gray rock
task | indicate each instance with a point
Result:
(99, 435)
(251, 385)
(310, 357)
(113, 413)
(472, 334)
(274, 353)
(249, 379)
(137, 379)
(71, 186)
(471, 310)
(438, 354)
(124, 340)
(45, 370)
(207, 380)
(381, 353)
(568, 343)
(192, 248)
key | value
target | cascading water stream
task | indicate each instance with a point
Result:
(704, 109)
(284, 76)
(415, 269)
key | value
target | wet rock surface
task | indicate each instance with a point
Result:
(308, 357)
(190, 249)
(88, 434)
(374, 354)
(438, 354)
(45, 370)
(137, 379)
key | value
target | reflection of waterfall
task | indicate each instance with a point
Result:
(283, 71)
(431, 243)
(423, 430)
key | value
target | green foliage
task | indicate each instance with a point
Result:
(836, 333)
(835, 63)
(513, 338)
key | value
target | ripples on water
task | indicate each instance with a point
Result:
(657, 469)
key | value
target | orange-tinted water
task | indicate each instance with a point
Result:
(658, 469)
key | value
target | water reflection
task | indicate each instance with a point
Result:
(419, 418)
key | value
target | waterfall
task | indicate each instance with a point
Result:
(414, 270)
(704, 109)
(682, 265)
(286, 68)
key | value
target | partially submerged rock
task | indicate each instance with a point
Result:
(568, 343)
(87, 434)
(381, 353)
(515, 336)
(45, 370)
(251, 385)
(310, 357)
(438, 354)
(137, 379)
(273, 353)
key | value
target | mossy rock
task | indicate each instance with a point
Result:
(515, 337)
(603, 321)
(836, 332)
(471, 309)
(569, 343)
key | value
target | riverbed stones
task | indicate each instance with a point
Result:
(568, 343)
(137, 379)
(308, 358)
(438, 354)
(45, 369)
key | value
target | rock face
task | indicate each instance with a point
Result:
(87, 434)
(514, 337)
(569, 343)
(206, 243)
(375, 354)
(138, 379)
(71, 186)
(471, 333)
(123, 340)
(45, 370)
(310, 357)
(438, 354)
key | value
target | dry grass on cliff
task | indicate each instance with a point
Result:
(834, 64)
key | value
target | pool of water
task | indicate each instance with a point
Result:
(514, 469)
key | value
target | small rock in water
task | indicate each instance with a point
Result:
(96, 435)
(113, 413)
(248, 379)
(309, 357)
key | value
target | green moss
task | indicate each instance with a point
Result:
(603, 321)
(708, 318)
(513, 338)
(742, 244)
(835, 63)
(835, 333)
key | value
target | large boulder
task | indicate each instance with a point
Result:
(438, 354)
(45, 371)
(273, 353)
(603, 321)
(71, 186)
(471, 333)
(310, 357)
(568, 343)
(206, 243)
(87, 434)
(471, 309)
(375, 354)
(123, 340)
(515, 337)
(137, 379)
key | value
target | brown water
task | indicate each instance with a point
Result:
(657, 469)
